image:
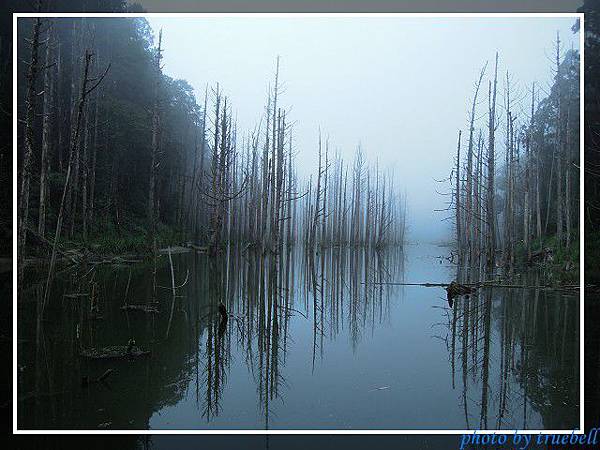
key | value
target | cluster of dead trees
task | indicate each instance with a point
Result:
(250, 185)
(531, 200)
(113, 147)
(360, 208)
(255, 195)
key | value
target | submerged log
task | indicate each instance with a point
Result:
(83, 294)
(488, 284)
(148, 309)
(198, 248)
(85, 380)
(115, 352)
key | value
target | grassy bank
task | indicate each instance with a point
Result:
(130, 238)
(563, 264)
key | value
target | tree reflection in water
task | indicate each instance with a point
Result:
(531, 347)
(513, 353)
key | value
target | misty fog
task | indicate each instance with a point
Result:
(399, 87)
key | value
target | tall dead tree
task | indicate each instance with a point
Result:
(568, 152)
(317, 209)
(30, 102)
(152, 207)
(527, 219)
(457, 201)
(558, 150)
(508, 232)
(92, 187)
(490, 210)
(46, 121)
(470, 216)
(477, 201)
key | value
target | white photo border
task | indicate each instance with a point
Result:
(579, 16)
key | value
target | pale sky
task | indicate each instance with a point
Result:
(400, 86)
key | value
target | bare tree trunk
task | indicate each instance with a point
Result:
(315, 219)
(490, 210)
(30, 101)
(511, 195)
(84, 171)
(74, 191)
(92, 183)
(558, 146)
(528, 162)
(478, 189)
(48, 105)
(469, 188)
(538, 206)
(155, 144)
(94, 157)
(568, 172)
(508, 233)
(457, 202)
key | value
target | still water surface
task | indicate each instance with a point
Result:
(311, 342)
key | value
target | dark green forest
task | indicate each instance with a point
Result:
(108, 195)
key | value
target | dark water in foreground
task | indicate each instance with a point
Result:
(308, 345)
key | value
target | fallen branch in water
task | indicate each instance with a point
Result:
(149, 309)
(105, 375)
(82, 294)
(483, 284)
(85, 380)
(114, 352)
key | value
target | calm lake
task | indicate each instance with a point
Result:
(312, 342)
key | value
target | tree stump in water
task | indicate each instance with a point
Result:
(223, 312)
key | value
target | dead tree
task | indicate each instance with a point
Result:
(30, 102)
(46, 119)
(528, 164)
(457, 201)
(152, 213)
(470, 234)
(87, 86)
(92, 186)
(490, 210)
(568, 172)
(508, 232)
(558, 150)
